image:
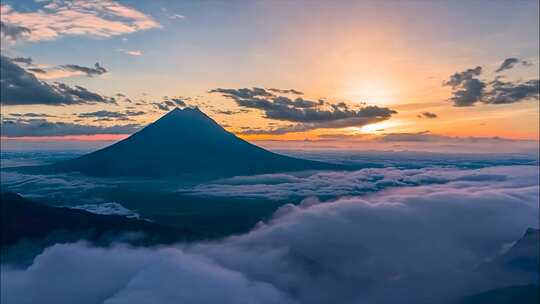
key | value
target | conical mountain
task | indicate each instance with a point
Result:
(184, 142)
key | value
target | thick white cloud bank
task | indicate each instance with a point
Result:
(347, 183)
(419, 244)
(76, 273)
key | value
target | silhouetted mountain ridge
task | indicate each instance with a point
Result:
(24, 219)
(185, 143)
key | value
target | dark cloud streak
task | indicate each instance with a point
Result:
(289, 91)
(512, 92)
(90, 72)
(25, 60)
(507, 64)
(510, 63)
(429, 115)
(42, 127)
(103, 114)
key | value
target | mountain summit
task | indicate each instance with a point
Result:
(184, 142)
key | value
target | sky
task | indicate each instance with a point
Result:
(340, 73)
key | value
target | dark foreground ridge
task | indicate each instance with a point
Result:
(183, 143)
(22, 219)
(516, 272)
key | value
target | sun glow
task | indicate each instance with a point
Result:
(372, 91)
(378, 127)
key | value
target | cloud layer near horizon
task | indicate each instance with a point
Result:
(421, 243)
(40, 127)
(334, 184)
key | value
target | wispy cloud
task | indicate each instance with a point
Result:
(88, 71)
(44, 71)
(510, 63)
(176, 16)
(131, 52)
(56, 19)
(169, 103)
(170, 15)
(426, 114)
(104, 115)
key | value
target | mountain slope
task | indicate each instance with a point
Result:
(523, 294)
(184, 142)
(524, 254)
(22, 219)
(512, 276)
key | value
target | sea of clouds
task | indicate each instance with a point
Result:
(425, 241)
(347, 183)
